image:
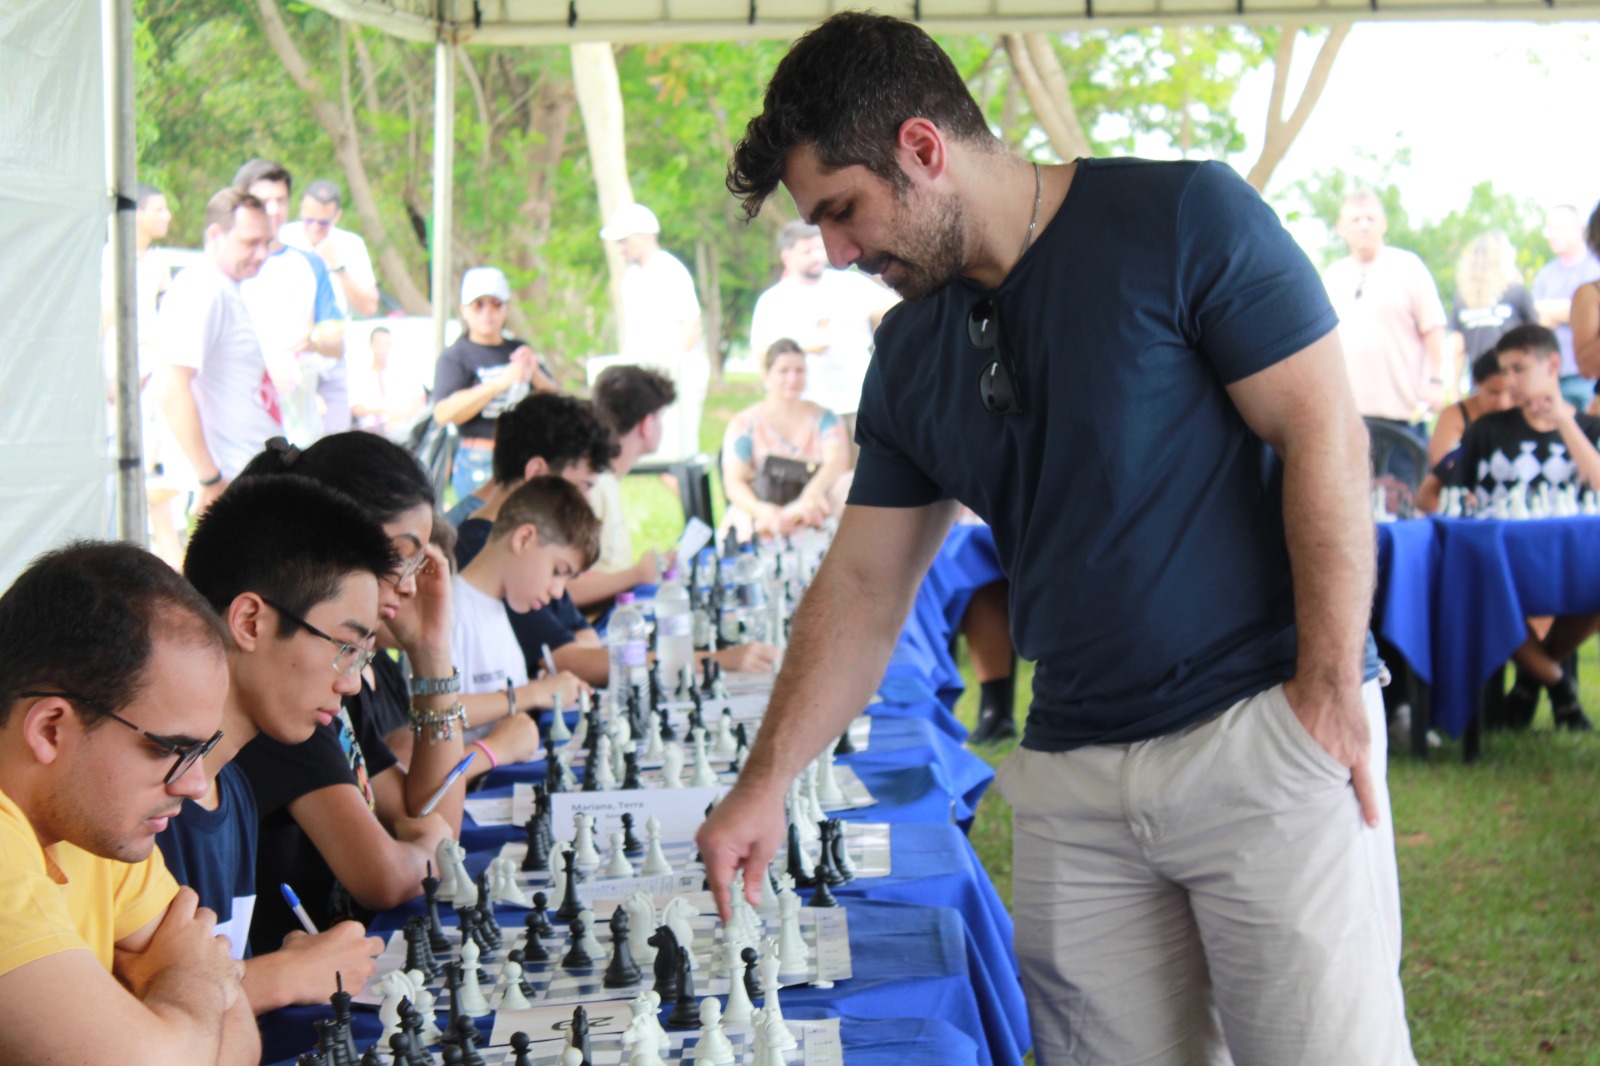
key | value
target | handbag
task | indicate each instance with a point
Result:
(433, 445)
(781, 481)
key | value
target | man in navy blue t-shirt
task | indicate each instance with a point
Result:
(1093, 357)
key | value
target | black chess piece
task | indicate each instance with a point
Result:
(685, 1011)
(570, 903)
(533, 949)
(631, 844)
(538, 853)
(822, 896)
(752, 985)
(325, 1040)
(520, 957)
(340, 1002)
(372, 1056)
(453, 1055)
(519, 1049)
(741, 737)
(578, 1035)
(666, 969)
(486, 918)
(538, 922)
(419, 956)
(591, 775)
(706, 665)
(772, 881)
(468, 1039)
(839, 854)
(796, 867)
(630, 771)
(452, 984)
(552, 775)
(437, 939)
(622, 971)
(697, 719)
(668, 734)
(576, 958)
(400, 1049)
(845, 746)
(825, 870)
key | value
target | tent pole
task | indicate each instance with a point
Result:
(444, 151)
(117, 35)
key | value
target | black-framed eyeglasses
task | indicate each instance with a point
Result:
(351, 659)
(999, 382)
(185, 754)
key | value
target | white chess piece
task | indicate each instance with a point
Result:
(601, 766)
(704, 776)
(584, 853)
(558, 721)
(580, 735)
(655, 860)
(672, 765)
(652, 739)
(714, 1048)
(568, 782)
(641, 925)
(618, 865)
(393, 987)
(644, 1028)
(466, 894)
(739, 1007)
(571, 1056)
(813, 804)
(768, 969)
(445, 868)
(679, 915)
(776, 1038)
(727, 745)
(829, 794)
(423, 1000)
(645, 1055)
(473, 1001)
(591, 943)
(793, 953)
(509, 891)
(512, 998)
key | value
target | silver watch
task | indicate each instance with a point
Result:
(437, 686)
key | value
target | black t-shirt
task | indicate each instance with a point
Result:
(338, 754)
(1482, 327)
(1501, 449)
(467, 363)
(1149, 570)
(555, 624)
(385, 708)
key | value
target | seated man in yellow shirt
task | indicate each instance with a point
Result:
(112, 677)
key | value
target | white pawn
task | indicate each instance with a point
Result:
(591, 943)
(714, 1047)
(558, 721)
(510, 891)
(512, 998)
(672, 765)
(726, 745)
(739, 1006)
(768, 969)
(652, 739)
(813, 804)
(571, 1056)
(423, 1000)
(584, 854)
(686, 681)
(793, 952)
(473, 1001)
(618, 865)
(603, 774)
(828, 790)
(655, 860)
(466, 894)
(704, 775)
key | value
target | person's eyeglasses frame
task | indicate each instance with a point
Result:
(408, 567)
(185, 754)
(999, 382)
(361, 657)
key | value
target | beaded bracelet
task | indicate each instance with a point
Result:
(439, 725)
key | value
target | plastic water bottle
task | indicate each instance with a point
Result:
(704, 622)
(627, 638)
(750, 594)
(728, 628)
(674, 627)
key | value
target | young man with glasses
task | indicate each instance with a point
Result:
(293, 568)
(112, 678)
(355, 286)
(1092, 357)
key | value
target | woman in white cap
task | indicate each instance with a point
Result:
(482, 374)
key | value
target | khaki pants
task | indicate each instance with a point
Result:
(1208, 897)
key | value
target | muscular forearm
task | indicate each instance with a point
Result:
(591, 664)
(464, 405)
(1331, 552)
(241, 1039)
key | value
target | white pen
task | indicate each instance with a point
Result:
(449, 779)
(549, 660)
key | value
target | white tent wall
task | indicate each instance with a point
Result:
(53, 208)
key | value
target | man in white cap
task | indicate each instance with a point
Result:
(661, 324)
(482, 374)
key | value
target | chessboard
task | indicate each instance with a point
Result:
(826, 933)
(547, 1029)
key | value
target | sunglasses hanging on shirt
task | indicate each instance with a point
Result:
(999, 383)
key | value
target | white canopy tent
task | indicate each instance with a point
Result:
(59, 126)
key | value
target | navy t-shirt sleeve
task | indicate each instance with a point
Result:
(1250, 296)
(544, 626)
(885, 475)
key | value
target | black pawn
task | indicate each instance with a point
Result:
(519, 1048)
(706, 666)
(697, 719)
(538, 922)
(372, 1056)
(453, 1055)
(631, 844)
(666, 965)
(533, 949)
(802, 879)
(437, 939)
(630, 770)
(752, 986)
(467, 1038)
(576, 958)
(570, 903)
(667, 733)
(622, 971)
(823, 896)
(685, 1011)
(400, 1049)
(845, 745)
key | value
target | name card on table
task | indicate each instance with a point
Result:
(679, 810)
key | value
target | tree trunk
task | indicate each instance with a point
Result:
(1281, 132)
(347, 149)
(708, 278)
(599, 93)
(1044, 82)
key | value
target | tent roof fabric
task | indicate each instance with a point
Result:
(522, 22)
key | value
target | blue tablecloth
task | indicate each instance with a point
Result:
(1454, 593)
(905, 958)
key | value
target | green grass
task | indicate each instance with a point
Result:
(1499, 861)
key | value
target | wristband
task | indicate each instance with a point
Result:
(494, 764)
(439, 725)
(437, 686)
(214, 479)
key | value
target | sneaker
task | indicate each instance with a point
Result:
(993, 727)
(1571, 717)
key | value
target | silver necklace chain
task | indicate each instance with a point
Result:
(1038, 194)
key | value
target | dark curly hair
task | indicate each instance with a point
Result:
(625, 395)
(845, 88)
(559, 429)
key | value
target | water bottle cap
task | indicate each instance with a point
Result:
(624, 598)
(747, 549)
(671, 574)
